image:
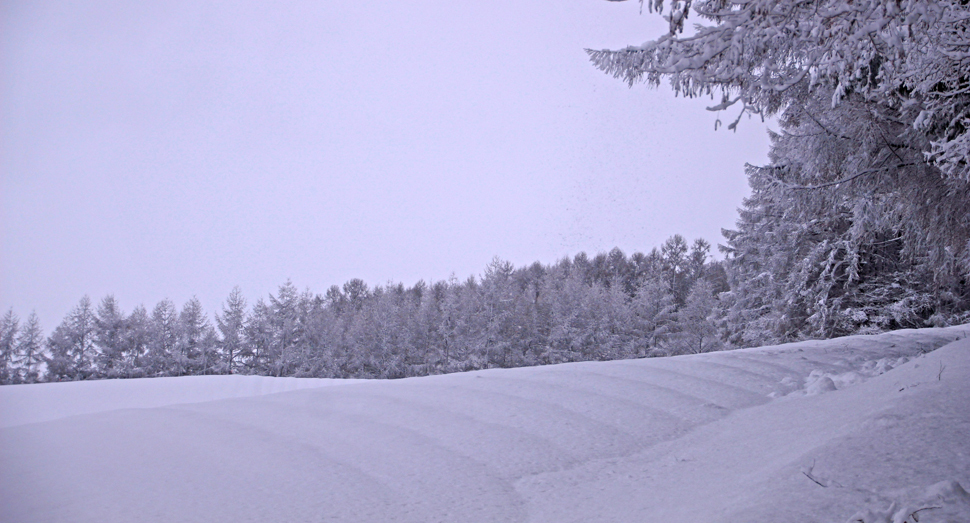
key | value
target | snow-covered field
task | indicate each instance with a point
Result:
(814, 431)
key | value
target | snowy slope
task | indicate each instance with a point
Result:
(813, 431)
(21, 404)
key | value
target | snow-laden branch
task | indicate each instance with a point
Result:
(910, 53)
(848, 178)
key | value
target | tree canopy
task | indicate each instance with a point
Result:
(910, 55)
(862, 217)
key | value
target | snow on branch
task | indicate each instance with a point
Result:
(913, 54)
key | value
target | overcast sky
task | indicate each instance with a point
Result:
(179, 148)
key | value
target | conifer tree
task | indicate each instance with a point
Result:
(259, 337)
(71, 347)
(195, 350)
(110, 333)
(30, 346)
(137, 343)
(695, 331)
(862, 219)
(232, 324)
(161, 359)
(9, 329)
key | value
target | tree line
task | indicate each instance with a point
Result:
(772, 287)
(606, 307)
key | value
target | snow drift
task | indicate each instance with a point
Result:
(865, 427)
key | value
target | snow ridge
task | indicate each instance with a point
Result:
(712, 437)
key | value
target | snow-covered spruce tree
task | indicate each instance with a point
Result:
(109, 336)
(71, 347)
(675, 263)
(137, 342)
(30, 350)
(163, 329)
(9, 329)
(196, 346)
(259, 339)
(652, 310)
(695, 332)
(816, 258)
(286, 329)
(865, 208)
(231, 324)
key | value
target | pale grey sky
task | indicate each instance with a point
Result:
(179, 148)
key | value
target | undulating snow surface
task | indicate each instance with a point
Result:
(21, 404)
(814, 431)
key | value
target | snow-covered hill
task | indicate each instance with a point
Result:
(813, 431)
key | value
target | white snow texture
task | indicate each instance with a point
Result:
(863, 429)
